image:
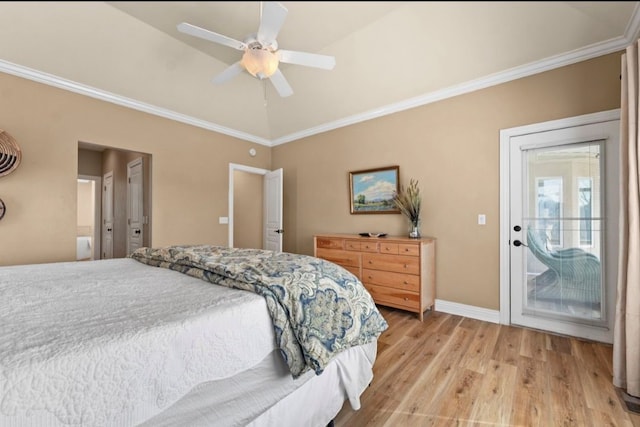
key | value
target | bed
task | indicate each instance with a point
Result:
(184, 336)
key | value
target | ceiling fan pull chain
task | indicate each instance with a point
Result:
(264, 86)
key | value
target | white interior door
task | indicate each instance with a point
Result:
(107, 216)
(273, 210)
(563, 229)
(135, 218)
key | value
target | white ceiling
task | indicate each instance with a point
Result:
(390, 56)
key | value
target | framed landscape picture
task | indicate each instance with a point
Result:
(372, 190)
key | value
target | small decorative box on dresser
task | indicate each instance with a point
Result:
(398, 271)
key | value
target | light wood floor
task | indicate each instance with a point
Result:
(455, 371)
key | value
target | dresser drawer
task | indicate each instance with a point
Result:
(369, 246)
(389, 248)
(408, 249)
(343, 258)
(329, 243)
(407, 282)
(394, 297)
(352, 245)
(394, 263)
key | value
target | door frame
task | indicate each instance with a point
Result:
(505, 200)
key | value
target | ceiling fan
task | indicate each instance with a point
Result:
(261, 54)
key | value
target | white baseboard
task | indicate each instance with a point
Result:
(470, 311)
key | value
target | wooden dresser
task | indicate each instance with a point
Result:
(398, 271)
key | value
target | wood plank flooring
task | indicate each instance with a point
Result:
(455, 371)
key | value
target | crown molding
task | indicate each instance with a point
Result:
(59, 82)
(613, 45)
(579, 55)
(632, 31)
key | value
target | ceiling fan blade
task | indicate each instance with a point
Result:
(273, 16)
(228, 73)
(307, 59)
(192, 30)
(281, 84)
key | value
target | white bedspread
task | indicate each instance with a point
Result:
(115, 342)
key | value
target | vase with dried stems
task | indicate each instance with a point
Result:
(409, 202)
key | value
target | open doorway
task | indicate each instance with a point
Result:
(88, 223)
(113, 230)
(247, 210)
(248, 188)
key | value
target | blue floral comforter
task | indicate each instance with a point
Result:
(318, 308)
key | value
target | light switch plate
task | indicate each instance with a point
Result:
(482, 219)
(223, 220)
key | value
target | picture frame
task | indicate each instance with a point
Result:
(371, 191)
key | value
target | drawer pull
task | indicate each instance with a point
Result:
(406, 299)
(406, 266)
(406, 249)
(370, 262)
(405, 282)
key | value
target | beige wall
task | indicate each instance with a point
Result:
(452, 148)
(247, 210)
(89, 162)
(189, 175)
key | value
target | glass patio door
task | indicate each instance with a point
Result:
(563, 230)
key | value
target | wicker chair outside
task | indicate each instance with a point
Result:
(573, 274)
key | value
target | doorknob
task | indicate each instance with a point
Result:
(137, 231)
(279, 231)
(518, 243)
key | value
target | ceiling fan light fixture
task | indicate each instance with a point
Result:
(260, 63)
(261, 55)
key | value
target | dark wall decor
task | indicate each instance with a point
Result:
(10, 154)
(3, 209)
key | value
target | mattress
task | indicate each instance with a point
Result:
(119, 343)
(115, 342)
